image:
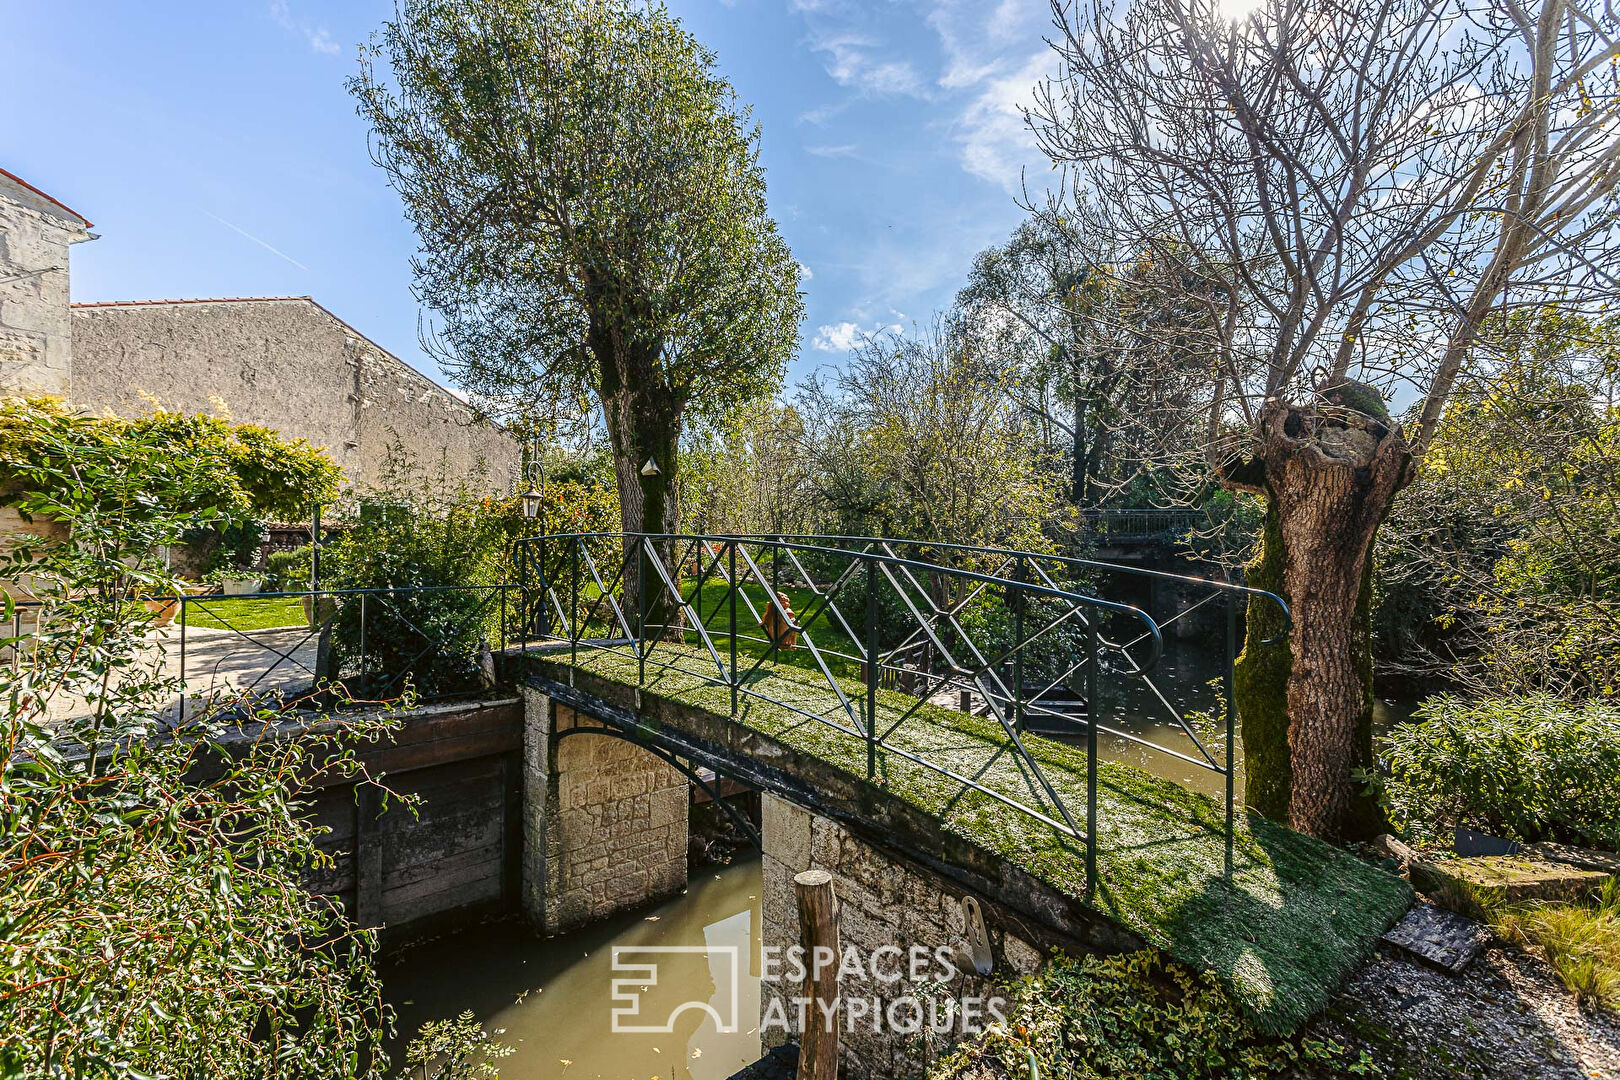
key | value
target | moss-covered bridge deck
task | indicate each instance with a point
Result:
(1282, 930)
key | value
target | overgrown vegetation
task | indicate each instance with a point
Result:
(1133, 1015)
(1580, 941)
(243, 470)
(1530, 768)
(1499, 569)
(153, 915)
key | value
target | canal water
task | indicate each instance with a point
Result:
(552, 999)
(1186, 682)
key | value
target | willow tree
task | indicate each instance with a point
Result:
(591, 209)
(1367, 180)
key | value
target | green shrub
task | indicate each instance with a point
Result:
(430, 629)
(245, 471)
(1135, 1015)
(155, 919)
(288, 571)
(1530, 768)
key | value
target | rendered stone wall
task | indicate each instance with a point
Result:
(883, 901)
(605, 822)
(36, 354)
(290, 365)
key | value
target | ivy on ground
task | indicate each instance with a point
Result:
(1135, 1015)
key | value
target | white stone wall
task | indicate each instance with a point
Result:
(881, 902)
(36, 355)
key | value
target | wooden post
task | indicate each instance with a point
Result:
(818, 933)
(368, 866)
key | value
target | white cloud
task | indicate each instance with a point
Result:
(317, 36)
(987, 55)
(995, 140)
(839, 337)
(844, 336)
(805, 273)
(845, 150)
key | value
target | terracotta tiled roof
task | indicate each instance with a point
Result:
(195, 300)
(14, 178)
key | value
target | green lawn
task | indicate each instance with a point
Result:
(1281, 933)
(715, 607)
(244, 612)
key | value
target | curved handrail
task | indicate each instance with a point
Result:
(1154, 634)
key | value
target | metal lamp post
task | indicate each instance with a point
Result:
(533, 511)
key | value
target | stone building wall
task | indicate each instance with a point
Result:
(605, 822)
(882, 901)
(36, 233)
(288, 364)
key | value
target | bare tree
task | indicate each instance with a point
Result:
(1084, 337)
(1366, 179)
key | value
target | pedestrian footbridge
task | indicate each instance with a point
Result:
(976, 715)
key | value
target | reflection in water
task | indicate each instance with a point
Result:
(553, 997)
(1188, 681)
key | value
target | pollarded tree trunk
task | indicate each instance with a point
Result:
(1330, 478)
(1260, 680)
(643, 419)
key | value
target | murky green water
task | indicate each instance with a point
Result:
(552, 999)
(1181, 686)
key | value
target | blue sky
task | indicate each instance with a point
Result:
(216, 150)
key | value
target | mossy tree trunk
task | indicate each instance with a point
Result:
(1306, 707)
(643, 416)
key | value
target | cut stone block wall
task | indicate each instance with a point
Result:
(883, 901)
(36, 355)
(605, 822)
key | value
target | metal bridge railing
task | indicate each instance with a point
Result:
(1144, 526)
(1020, 638)
(287, 650)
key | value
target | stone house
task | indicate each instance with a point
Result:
(284, 362)
(36, 232)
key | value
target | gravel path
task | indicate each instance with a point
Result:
(1507, 1017)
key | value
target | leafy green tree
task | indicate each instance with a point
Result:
(1107, 355)
(1499, 572)
(748, 474)
(591, 208)
(918, 439)
(153, 916)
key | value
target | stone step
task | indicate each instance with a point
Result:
(1437, 937)
(1586, 858)
(1469, 886)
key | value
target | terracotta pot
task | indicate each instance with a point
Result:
(164, 609)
